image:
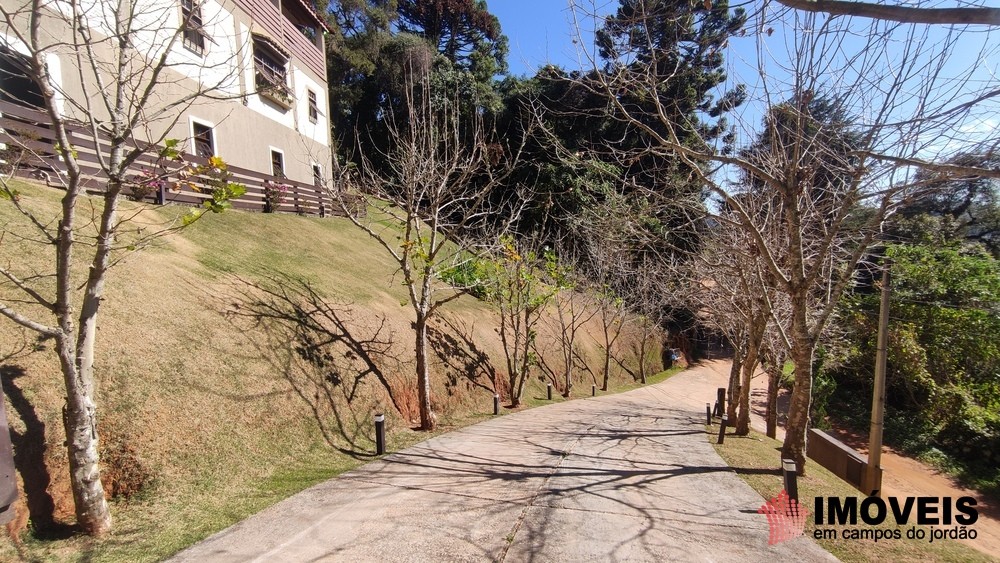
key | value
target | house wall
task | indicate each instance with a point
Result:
(265, 15)
(246, 126)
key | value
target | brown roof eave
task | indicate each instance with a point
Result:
(312, 12)
(271, 43)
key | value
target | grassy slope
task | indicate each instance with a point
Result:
(750, 454)
(198, 400)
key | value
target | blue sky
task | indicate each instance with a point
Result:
(540, 32)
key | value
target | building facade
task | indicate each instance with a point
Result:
(244, 80)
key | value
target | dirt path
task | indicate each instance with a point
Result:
(903, 476)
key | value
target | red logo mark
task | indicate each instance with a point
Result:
(786, 518)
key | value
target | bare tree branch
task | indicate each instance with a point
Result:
(902, 14)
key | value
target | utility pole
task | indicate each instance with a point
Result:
(873, 476)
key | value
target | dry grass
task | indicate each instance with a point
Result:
(749, 454)
(203, 421)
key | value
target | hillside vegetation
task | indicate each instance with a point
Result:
(211, 408)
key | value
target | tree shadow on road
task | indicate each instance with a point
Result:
(611, 464)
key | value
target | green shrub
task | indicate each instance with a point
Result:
(470, 275)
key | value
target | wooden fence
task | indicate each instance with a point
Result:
(31, 150)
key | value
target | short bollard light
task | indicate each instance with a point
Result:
(548, 391)
(708, 414)
(791, 475)
(379, 434)
(496, 404)
(593, 390)
(722, 429)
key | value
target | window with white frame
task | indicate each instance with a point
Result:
(202, 139)
(277, 163)
(271, 72)
(317, 175)
(313, 106)
(192, 26)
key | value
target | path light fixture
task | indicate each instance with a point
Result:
(379, 434)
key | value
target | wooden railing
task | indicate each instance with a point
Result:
(31, 150)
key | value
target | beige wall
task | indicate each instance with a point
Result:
(246, 127)
(244, 138)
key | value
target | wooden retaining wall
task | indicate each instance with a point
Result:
(839, 458)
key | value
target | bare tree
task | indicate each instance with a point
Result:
(517, 290)
(607, 264)
(433, 200)
(735, 288)
(573, 308)
(721, 287)
(646, 302)
(129, 88)
(643, 347)
(904, 100)
(614, 316)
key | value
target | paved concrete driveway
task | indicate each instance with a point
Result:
(626, 477)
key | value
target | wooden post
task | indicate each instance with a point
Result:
(873, 476)
(722, 429)
(708, 414)
(720, 402)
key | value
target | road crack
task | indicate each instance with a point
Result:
(542, 486)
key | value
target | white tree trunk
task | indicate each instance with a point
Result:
(80, 421)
